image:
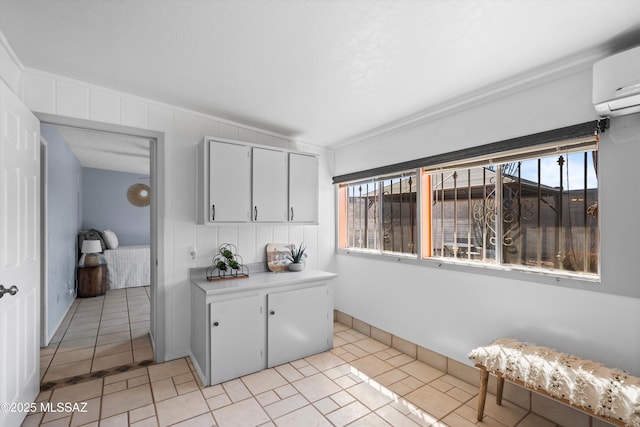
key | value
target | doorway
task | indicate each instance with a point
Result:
(155, 180)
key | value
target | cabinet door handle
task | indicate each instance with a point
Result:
(216, 324)
(255, 213)
(291, 213)
(213, 212)
(272, 312)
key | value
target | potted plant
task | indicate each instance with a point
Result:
(296, 257)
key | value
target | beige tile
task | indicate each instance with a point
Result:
(142, 413)
(181, 408)
(267, 398)
(289, 372)
(464, 372)
(432, 358)
(185, 388)
(163, 389)
(344, 319)
(75, 345)
(112, 338)
(455, 420)
(339, 371)
(82, 333)
(124, 320)
(147, 422)
(348, 414)
(391, 377)
(219, 401)
(354, 350)
(342, 398)
(305, 416)
(397, 418)
(380, 335)
(324, 361)
(168, 369)
(78, 392)
(432, 401)
(140, 342)
(285, 391)
(326, 405)
(32, 420)
(316, 387)
(236, 390)
(211, 391)
(134, 382)
(399, 360)
(262, 381)
(372, 394)
(371, 345)
(105, 330)
(88, 413)
(126, 375)
(107, 349)
(370, 420)
(112, 388)
(141, 354)
(72, 356)
(422, 371)
(362, 327)
(285, 406)
(204, 420)
(126, 400)
(371, 366)
(61, 422)
(68, 370)
(111, 361)
(406, 347)
(244, 413)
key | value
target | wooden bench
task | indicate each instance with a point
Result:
(608, 394)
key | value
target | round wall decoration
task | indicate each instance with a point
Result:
(139, 195)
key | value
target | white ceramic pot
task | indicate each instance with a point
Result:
(297, 266)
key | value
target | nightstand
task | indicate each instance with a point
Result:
(92, 281)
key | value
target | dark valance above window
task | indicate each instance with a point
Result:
(576, 137)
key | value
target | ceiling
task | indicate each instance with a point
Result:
(103, 150)
(319, 71)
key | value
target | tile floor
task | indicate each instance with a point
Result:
(97, 334)
(360, 382)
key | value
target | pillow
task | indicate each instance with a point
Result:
(110, 239)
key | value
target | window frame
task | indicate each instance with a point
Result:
(423, 213)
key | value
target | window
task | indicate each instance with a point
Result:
(529, 203)
(379, 215)
(539, 212)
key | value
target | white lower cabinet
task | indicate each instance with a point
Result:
(237, 337)
(236, 332)
(297, 324)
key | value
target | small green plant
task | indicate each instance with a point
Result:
(296, 254)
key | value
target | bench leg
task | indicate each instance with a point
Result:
(499, 390)
(482, 397)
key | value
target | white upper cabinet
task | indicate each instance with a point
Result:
(303, 188)
(229, 182)
(243, 182)
(269, 185)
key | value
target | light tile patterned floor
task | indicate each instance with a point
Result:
(360, 382)
(99, 333)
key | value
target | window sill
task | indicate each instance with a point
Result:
(568, 279)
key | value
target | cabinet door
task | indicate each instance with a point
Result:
(237, 338)
(303, 188)
(269, 185)
(297, 324)
(229, 182)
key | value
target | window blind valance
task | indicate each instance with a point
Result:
(582, 136)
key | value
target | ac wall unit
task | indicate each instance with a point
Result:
(616, 84)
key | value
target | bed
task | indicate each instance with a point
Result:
(128, 266)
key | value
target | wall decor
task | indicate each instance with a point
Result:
(139, 195)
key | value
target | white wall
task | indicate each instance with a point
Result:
(452, 310)
(183, 129)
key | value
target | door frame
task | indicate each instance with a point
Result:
(157, 246)
(44, 239)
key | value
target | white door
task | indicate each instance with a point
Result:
(230, 182)
(19, 255)
(269, 185)
(237, 338)
(303, 188)
(297, 325)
